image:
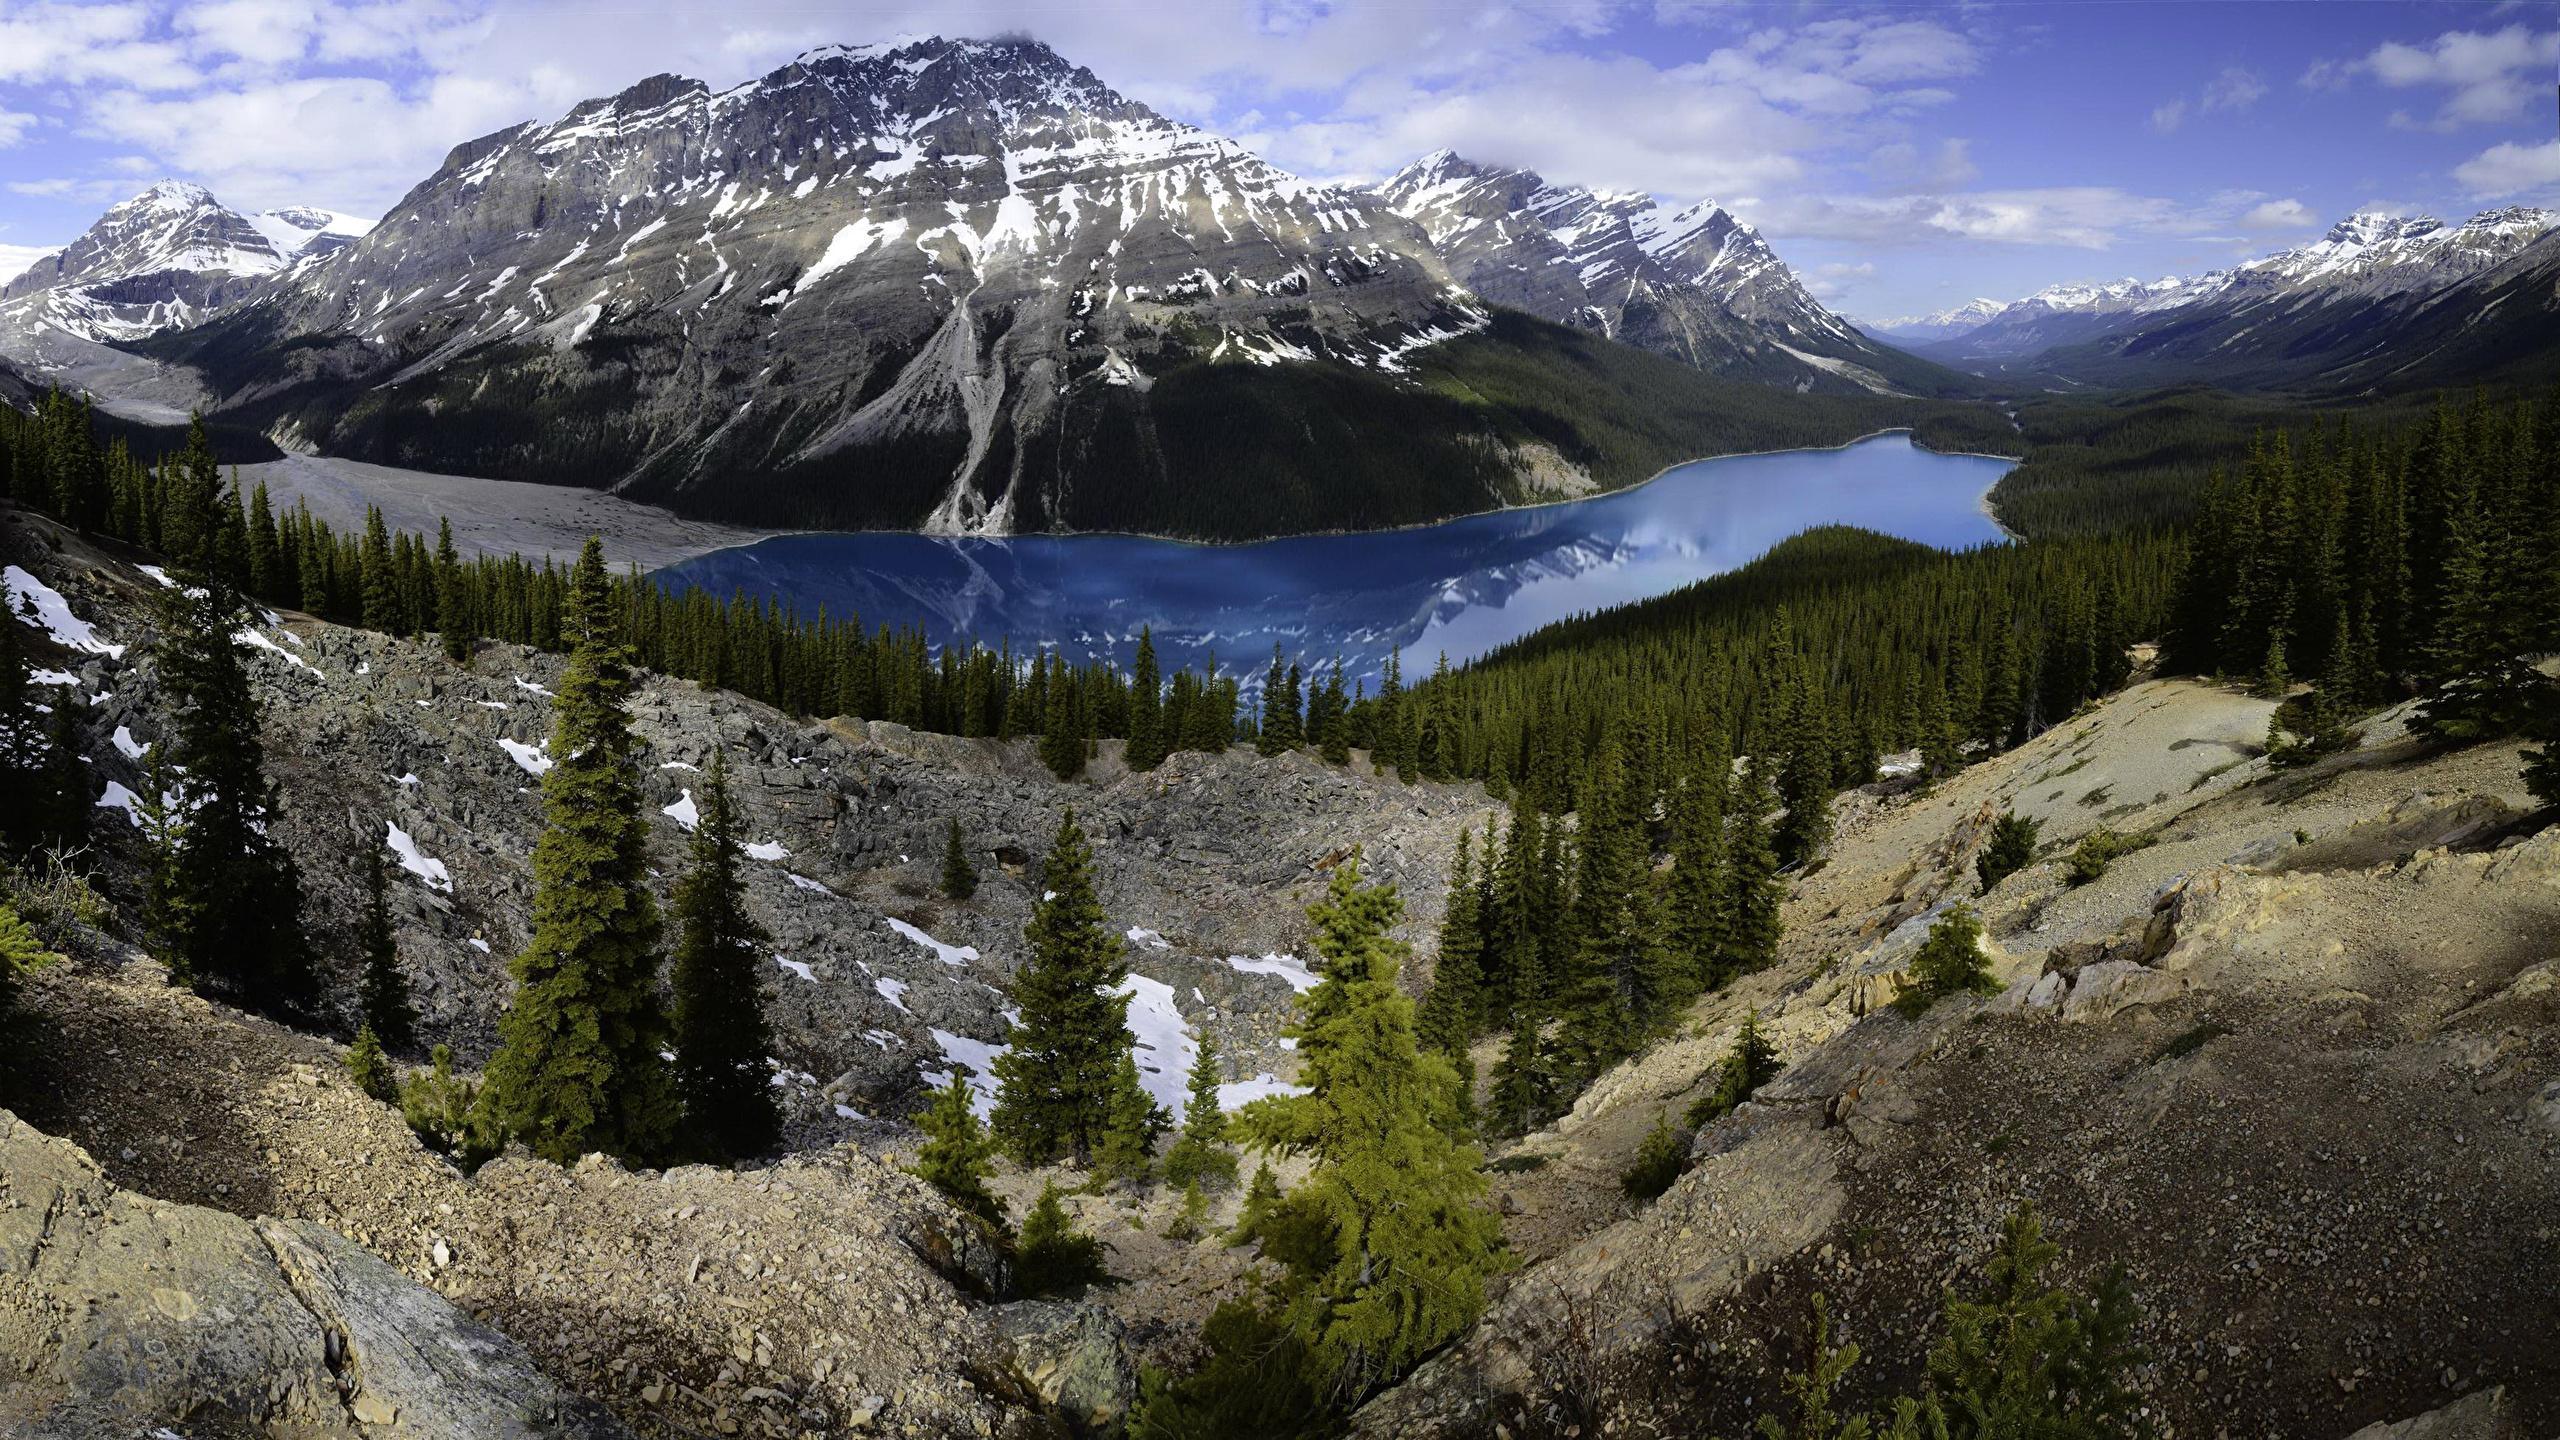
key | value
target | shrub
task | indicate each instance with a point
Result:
(2012, 849)
(1949, 962)
(2097, 850)
(1752, 1063)
(446, 1112)
(367, 1066)
(1051, 1256)
(1659, 1160)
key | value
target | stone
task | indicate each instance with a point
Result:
(1076, 1355)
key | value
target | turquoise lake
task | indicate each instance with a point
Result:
(1461, 587)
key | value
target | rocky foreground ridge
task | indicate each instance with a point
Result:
(2296, 1065)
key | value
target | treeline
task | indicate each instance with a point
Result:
(2383, 564)
(406, 584)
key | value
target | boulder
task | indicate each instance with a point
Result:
(124, 1315)
(2480, 1415)
(1077, 1356)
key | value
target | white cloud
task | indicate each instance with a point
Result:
(14, 259)
(1902, 166)
(2236, 88)
(87, 45)
(14, 125)
(2492, 76)
(2511, 169)
(2278, 215)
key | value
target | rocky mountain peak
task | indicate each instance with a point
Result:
(2369, 227)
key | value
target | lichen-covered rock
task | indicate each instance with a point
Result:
(1077, 1356)
(120, 1314)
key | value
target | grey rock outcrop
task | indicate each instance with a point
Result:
(122, 1313)
(1077, 1356)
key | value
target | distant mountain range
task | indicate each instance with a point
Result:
(962, 285)
(2341, 312)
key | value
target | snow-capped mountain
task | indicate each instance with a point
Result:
(302, 232)
(1694, 283)
(1937, 325)
(2278, 308)
(167, 258)
(962, 284)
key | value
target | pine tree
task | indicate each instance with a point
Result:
(228, 897)
(2012, 848)
(578, 1066)
(381, 586)
(1409, 1243)
(1061, 733)
(956, 1157)
(1260, 1199)
(1199, 1156)
(1752, 1063)
(721, 1038)
(445, 1111)
(1131, 1123)
(59, 806)
(1949, 962)
(959, 877)
(370, 1069)
(1698, 879)
(1147, 738)
(1753, 891)
(1050, 1255)
(1056, 1082)
(388, 1016)
(1327, 720)
(453, 617)
(1454, 1010)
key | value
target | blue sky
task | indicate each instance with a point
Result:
(1902, 157)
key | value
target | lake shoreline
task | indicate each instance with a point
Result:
(1984, 501)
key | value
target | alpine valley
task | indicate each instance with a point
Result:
(1699, 867)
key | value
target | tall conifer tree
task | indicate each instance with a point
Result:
(578, 1066)
(1057, 1080)
(721, 1038)
(1407, 1241)
(387, 1011)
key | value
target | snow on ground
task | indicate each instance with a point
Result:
(257, 641)
(156, 573)
(408, 780)
(53, 615)
(683, 812)
(1241, 1093)
(476, 943)
(527, 685)
(768, 850)
(1164, 1044)
(1149, 939)
(119, 798)
(1288, 967)
(796, 967)
(528, 756)
(947, 954)
(976, 1056)
(893, 991)
(805, 883)
(425, 867)
(679, 765)
(52, 677)
(127, 746)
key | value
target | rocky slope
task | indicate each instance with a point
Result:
(130, 1315)
(879, 984)
(2297, 1065)
(1695, 284)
